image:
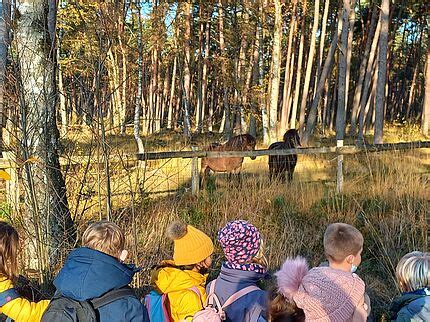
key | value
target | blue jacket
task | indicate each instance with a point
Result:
(412, 306)
(252, 307)
(88, 273)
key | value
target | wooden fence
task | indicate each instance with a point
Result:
(339, 151)
(195, 154)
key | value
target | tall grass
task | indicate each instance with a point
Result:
(385, 196)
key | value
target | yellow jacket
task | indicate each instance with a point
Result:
(20, 309)
(177, 284)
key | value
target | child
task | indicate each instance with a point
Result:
(96, 268)
(333, 293)
(15, 307)
(184, 278)
(282, 310)
(245, 266)
(413, 276)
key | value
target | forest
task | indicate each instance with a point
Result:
(85, 84)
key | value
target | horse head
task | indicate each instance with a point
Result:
(292, 138)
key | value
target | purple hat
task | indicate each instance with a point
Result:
(240, 241)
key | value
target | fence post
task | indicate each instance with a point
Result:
(195, 178)
(339, 177)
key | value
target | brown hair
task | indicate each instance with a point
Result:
(104, 236)
(342, 240)
(281, 310)
(9, 242)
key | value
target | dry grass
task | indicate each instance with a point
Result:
(386, 196)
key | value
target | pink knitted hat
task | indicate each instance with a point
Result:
(324, 294)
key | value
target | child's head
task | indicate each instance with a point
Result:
(412, 271)
(106, 237)
(192, 247)
(282, 310)
(343, 243)
(242, 243)
(9, 242)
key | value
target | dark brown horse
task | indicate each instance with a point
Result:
(231, 165)
(279, 165)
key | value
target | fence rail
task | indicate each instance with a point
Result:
(348, 149)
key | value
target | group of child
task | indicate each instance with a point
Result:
(95, 271)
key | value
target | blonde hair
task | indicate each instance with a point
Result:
(260, 258)
(412, 271)
(9, 243)
(104, 236)
(342, 240)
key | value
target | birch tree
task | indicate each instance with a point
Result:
(47, 213)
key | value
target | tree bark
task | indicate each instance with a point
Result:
(299, 68)
(276, 71)
(325, 72)
(362, 72)
(425, 122)
(382, 73)
(309, 67)
(187, 63)
(226, 126)
(343, 66)
(48, 216)
(287, 76)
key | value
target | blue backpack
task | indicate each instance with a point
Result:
(158, 307)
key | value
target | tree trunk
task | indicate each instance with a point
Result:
(5, 20)
(187, 74)
(322, 43)
(382, 73)
(287, 76)
(139, 98)
(47, 216)
(276, 71)
(309, 67)
(341, 95)
(299, 68)
(263, 105)
(321, 81)
(206, 63)
(226, 122)
(425, 122)
(362, 72)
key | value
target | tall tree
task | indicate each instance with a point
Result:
(47, 208)
(309, 66)
(276, 71)
(382, 72)
(342, 73)
(187, 67)
(426, 108)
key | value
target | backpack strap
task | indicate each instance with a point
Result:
(112, 296)
(239, 294)
(8, 295)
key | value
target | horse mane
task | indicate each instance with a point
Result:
(239, 142)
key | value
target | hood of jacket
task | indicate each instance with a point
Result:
(412, 303)
(172, 279)
(88, 273)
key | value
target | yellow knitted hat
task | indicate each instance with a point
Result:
(191, 246)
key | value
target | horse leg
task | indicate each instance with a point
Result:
(204, 173)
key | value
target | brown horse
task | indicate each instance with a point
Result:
(231, 165)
